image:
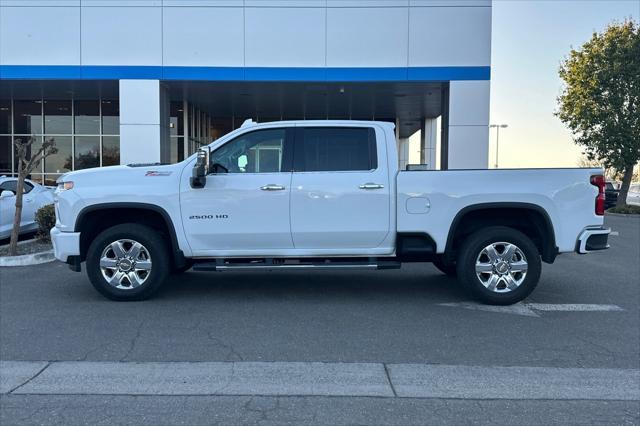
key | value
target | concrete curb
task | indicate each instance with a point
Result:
(27, 259)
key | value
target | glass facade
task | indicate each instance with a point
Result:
(86, 133)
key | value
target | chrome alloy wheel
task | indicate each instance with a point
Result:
(501, 267)
(125, 264)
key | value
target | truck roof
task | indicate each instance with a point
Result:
(250, 123)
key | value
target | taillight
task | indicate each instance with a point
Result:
(598, 180)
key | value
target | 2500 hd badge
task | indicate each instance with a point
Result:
(210, 216)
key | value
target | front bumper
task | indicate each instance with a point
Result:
(65, 244)
(593, 239)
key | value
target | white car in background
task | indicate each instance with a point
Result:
(35, 196)
(633, 196)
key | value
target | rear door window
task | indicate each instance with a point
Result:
(323, 149)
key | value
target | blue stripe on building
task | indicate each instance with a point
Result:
(100, 72)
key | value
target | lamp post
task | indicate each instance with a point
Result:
(498, 127)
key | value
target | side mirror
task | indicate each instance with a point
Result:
(6, 194)
(201, 168)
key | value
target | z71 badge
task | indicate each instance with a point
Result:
(156, 173)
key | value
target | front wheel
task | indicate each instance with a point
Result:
(128, 262)
(499, 265)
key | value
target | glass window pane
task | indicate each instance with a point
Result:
(87, 152)
(38, 140)
(177, 149)
(110, 117)
(337, 149)
(57, 117)
(59, 162)
(5, 116)
(87, 117)
(27, 117)
(176, 119)
(110, 150)
(5, 155)
(49, 179)
(255, 152)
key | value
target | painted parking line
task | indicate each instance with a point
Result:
(534, 309)
(573, 307)
(321, 379)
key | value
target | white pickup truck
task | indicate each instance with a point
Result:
(321, 194)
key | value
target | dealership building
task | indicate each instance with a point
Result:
(123, 81)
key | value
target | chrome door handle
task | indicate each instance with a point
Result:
(370, 185)
(272, 187)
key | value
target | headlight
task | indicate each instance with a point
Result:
(63, 186)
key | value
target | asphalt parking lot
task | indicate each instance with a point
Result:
(584, 316)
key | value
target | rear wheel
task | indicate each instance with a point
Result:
(128, 262)
(499, 265)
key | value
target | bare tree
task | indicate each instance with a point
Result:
(27, 162)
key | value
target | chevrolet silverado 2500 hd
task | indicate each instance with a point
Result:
(321, 194)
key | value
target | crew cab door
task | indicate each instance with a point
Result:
(244, 206)
(340, 189)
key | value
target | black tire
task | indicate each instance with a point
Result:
(153, 244)
(474, 245)
(445, 266)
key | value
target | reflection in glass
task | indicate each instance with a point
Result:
(5, 116)
(110, 117)
(110, 150)
(87, 152)
(15, 153)
(87, 117)
(61, 161)
(27, 117)
(57, 117)
(177, 150)
(5, 155)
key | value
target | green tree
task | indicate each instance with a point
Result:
(601, 98)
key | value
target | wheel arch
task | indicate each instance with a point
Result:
(540, 228)
(95, 218)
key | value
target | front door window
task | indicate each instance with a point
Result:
(255, 152)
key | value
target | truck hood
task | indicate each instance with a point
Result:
(130, 175)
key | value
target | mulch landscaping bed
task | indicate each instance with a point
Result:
(27, 247)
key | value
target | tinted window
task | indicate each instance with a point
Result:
(336, 149)
(12, 185)
(255, 152)
(609, 186)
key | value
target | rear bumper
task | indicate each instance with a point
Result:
(593, 239)
(66, 245)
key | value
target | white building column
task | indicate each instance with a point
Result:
(429, 142)
(403, 152)
(144, 122)
(468, 124)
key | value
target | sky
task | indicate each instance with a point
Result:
(529, 40)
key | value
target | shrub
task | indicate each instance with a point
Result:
(628, 209)
(46, 219)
